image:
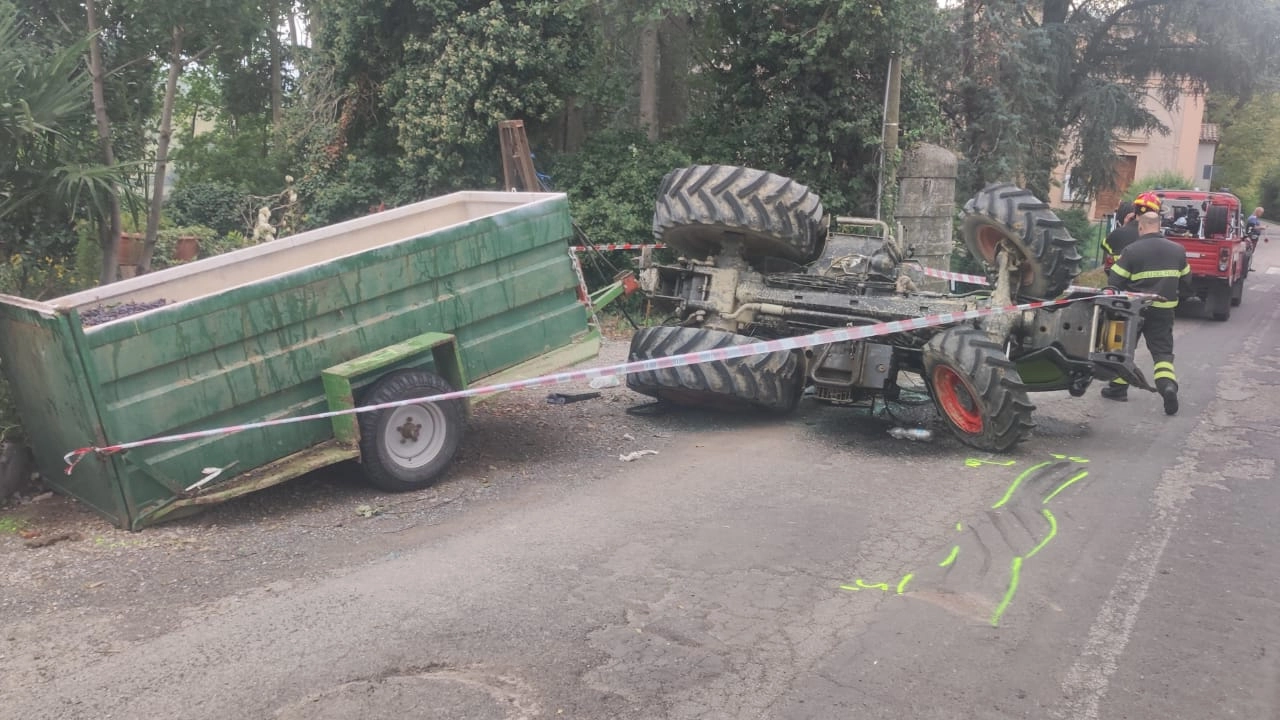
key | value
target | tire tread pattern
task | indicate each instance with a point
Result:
(770, 381)
(1042, 235)
(1005, 409)
(700, 207)
(402, 385)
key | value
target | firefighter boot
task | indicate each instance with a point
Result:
(1116, 391)
(1168, 390)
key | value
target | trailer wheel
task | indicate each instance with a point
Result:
(977, 389)
(1237, 292)
(1006, 213)
(406, 448)
(702, 208)
(771, 381)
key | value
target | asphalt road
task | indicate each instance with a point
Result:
(803, 568)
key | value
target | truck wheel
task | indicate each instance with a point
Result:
(977, 389)
(771, 381)
(1006, 212)
(701, 208)
(405, 448)
(1220, 301)
(1237, 292)
(1216, 221)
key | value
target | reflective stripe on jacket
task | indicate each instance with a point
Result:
(1153, 264)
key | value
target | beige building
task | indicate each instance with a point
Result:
(1187, 149)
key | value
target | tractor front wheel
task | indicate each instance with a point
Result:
(977, 389)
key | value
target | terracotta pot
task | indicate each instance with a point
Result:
(129, 249)
(187, 249)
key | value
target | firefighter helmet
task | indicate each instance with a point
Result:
(1147, 202)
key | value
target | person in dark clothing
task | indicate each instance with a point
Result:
(1127, 229)
(1155, 265)
(1125, 233)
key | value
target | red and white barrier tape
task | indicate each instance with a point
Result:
(958, 277)
(980, 280)
(624, 246)
(824, 337)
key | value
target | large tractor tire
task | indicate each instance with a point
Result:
(702, 209)
(1005, 213)
(977, 389)
(771, 381)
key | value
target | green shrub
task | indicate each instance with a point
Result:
(209, 204)
(1165, 180)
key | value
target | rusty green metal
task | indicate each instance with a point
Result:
(246, 341)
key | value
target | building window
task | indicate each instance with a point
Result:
(1069, 193)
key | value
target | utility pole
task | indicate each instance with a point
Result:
(889, 141)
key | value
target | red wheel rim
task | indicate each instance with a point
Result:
(957, 400)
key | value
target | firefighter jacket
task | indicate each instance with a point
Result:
(1153, 264)
(1120, 238)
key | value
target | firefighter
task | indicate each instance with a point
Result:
(1157, 265)
(1127, 226)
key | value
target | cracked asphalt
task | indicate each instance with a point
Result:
(807, 567)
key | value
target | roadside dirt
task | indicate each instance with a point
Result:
(314, 524)
(120, 587)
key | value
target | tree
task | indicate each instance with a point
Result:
(47, 179)
(1249, 133)
(1034, 74)
(194, 28)
(110, 229)
(798, 89)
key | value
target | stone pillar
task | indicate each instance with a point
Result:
(926, 207)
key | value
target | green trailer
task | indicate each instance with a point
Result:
(470, 288)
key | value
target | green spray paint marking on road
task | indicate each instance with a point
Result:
(903, 584)
(1053, 530)
(1014, 568)
(959, 527)
(1018, 481)
(1072, 458)
(950, 558)
(863, 586)
(1065, 485)
(977, 462)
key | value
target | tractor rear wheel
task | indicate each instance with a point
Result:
(771, 380)
(977, 389)
(702, 209)
(1005, 213)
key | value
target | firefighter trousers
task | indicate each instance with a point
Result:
(1157, 330)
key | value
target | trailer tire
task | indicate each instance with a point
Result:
(977, 389)
(1216, 221)
(1237, 292)
(406, 448)
(701, 208)
(1004, 211)
(771, 381)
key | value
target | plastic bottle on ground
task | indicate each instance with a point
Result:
(916, 434)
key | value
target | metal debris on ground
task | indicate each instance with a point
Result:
(565, 399)
(633, 456)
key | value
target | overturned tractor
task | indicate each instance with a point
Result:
(759, 259)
